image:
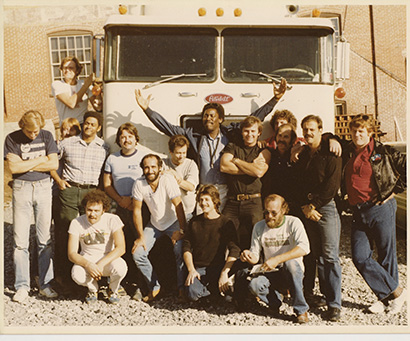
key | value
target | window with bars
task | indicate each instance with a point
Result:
(63, 45)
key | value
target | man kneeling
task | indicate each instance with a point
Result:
(283, 241)
(102, 244)
(207, 238)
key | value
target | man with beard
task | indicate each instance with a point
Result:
(162, 195)
(208, 144)
(279, 178)
(319, 172)
(280, 241)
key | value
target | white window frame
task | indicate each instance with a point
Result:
(68, 51)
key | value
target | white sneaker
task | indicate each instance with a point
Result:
(48, 293)
(396, 304)
(20, 295)
(377, 307)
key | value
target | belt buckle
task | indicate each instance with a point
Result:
(241, 197)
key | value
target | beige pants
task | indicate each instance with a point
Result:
(116, 271)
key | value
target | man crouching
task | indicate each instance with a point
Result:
(281, 241)
(102, 244)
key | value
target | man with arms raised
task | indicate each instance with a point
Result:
(208, 144)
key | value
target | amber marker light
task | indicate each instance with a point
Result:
(202, 12)
(316, 13)
(340, 93)
(122, 9)
(219, 12)
(237, 12)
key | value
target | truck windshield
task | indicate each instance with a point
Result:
(300, 56)
(145, 54)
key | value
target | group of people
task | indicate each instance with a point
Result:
(247, 218)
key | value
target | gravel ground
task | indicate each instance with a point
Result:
(167, 312)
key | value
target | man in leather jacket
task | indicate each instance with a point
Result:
(373, 173)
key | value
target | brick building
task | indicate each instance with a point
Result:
(34, 36)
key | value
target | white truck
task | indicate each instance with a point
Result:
(186, 55)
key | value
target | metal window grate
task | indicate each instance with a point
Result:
(69, 45)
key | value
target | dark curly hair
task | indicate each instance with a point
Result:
(98, 197)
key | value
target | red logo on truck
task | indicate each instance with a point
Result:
(219, 98)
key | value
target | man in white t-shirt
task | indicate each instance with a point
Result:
(101, 240)
(121, 170)
(71, 94)
(185, 171)
(162, 195)
(281, 241)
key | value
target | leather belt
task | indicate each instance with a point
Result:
(242, 197)
(82, 186)
(365, 205)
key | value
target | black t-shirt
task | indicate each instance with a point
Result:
(208, 239)
(246, 184)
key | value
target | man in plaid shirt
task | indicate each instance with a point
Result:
(83, 158)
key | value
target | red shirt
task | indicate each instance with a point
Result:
(360, 183)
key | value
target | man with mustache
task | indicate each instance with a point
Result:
(279, 178)
(121, 170)
(318, 172)
(281, 241)
(208, 144)
(162, 195)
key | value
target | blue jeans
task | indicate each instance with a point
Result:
(266, 286)
(29, 196)
(377, 223)
(324, 238)
(207, 285)
(140, 256)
